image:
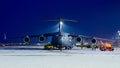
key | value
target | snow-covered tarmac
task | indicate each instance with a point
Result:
(75, 58)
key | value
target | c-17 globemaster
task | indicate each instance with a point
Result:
(60, 40)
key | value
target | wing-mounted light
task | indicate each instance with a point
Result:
(42, 38)
(27, 39)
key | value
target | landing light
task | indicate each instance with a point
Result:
(61, 22)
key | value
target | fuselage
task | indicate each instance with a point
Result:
(62, 39)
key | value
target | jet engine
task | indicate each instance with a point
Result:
(93, 40)
(41, 38)
(27, 39)
(78, 39)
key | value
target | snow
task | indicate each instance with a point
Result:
(75, 58)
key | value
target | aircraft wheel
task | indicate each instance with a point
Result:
(88, 46)
(60, 47)
(66, 48)
(112, 49)
(70, 47)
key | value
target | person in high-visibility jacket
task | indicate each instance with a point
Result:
(93, 46)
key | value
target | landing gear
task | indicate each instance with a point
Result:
(88, 46)
(68, 47)
(60, 47)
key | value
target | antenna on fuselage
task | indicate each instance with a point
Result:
(61, 20)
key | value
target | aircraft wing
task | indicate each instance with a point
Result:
(31, 36)
(92, 39)
(41, 37)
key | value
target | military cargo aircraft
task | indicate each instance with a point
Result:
(61, 39)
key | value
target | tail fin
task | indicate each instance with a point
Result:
(5, 36)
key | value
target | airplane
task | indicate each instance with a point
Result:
(61, 39)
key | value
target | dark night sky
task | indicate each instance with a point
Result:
(99, 18)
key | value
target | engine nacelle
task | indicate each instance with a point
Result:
(78, 39)
(27, 39)
(42, 38)
(93, 40)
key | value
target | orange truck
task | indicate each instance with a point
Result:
(106, 46)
